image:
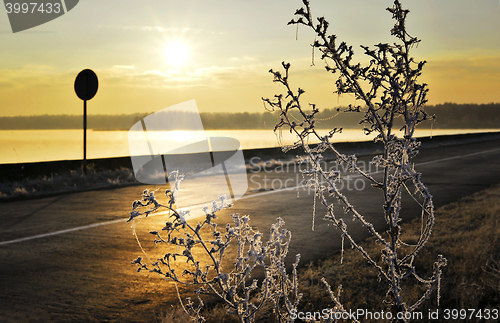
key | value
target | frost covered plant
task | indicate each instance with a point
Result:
(242, 291)
(389, 91)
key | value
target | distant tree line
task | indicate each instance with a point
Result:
(63, 121)
(448, 115)
(452, 115)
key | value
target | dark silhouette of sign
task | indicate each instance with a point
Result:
(86, 85)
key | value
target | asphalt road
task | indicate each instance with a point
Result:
(67, 258)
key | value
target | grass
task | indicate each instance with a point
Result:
(65, 181)
(466, 232)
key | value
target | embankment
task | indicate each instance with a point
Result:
(23, 171)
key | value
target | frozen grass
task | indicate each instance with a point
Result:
(66, 181)
(466, 232)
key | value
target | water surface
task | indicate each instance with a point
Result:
(18, 146)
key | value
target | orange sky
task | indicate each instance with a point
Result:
(230, 46)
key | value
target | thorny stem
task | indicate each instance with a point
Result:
(340, 224)
(276, 285)
(344, 71)
(402, 98)
(172, 274)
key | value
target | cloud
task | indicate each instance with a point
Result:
(463, 79)
(244, 59)
(465, 68)
(160, 29)
(123, 67)
(32, 75)
(157, 29)
(209, 77)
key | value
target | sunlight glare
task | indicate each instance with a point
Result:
(179, 135)
(177, 53)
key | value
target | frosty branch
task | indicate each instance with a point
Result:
(389, 90)
(243, 294)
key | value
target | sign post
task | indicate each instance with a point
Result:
(86, 85)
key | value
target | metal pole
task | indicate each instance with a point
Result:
(84, 164)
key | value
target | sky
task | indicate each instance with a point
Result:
(152, 54)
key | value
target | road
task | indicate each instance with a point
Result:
(67, 258)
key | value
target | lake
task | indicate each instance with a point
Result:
(19, 146)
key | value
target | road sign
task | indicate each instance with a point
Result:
(86, 85)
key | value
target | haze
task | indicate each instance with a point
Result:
(152, 54)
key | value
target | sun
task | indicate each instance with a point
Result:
(177, 53)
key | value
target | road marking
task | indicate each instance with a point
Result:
(372, 173)
(43, 235)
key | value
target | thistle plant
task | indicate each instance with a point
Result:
(389, 90)
(242, 291)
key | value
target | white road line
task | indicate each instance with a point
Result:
(43, 235)
(372, 173)
(456, 157)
